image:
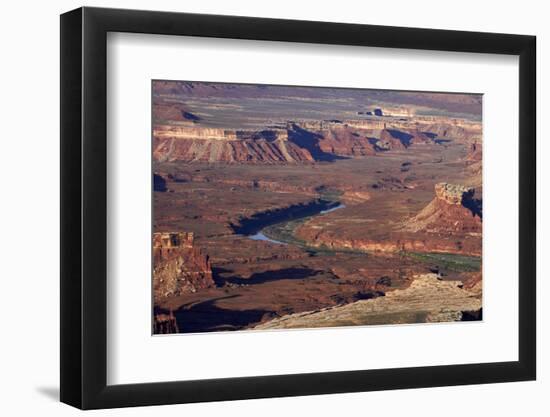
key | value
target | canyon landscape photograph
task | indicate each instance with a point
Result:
(293, 207)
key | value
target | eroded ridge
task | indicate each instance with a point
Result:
(282, 206)
(428, 299)
(179, 267)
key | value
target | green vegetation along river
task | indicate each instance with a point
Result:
(281, 232)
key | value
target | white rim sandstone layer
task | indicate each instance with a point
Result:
(427, 299)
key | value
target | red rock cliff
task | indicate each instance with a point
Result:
(178, 266)
(453, 211)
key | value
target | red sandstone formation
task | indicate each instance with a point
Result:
(452, 211)
(295, 144)
(179, 267)
(393, 139)
(298, 142)
(419, 137)
(341, 140)
(223, 145)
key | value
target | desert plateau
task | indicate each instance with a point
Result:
(280, 207)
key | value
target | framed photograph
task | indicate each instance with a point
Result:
(261, 208)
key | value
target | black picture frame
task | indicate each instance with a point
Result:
(84, 207)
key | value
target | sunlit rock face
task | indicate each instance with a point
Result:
(453, 193)
(427, 299)
(191, 144)
(453, 211)
(179, 267)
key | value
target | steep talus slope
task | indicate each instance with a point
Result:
(219, 145)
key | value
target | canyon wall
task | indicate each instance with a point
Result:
(252, 151)
(195, 133)
(342, 140)
(178, 266)
(306, 141)
(453, 211)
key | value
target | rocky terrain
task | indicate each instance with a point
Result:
(296, 142)
(229, 146)
(427, 300)
(453, 211)
(281, 207)
(343, 140)
(450, 223)
(179, 267)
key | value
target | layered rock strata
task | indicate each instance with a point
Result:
(428, 299)
(342, 140)
(452, 211)
(178, 266)
(229, 146)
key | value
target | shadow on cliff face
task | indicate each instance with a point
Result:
(263, 277)
(159, 183)
(216, 275)
(475, 315)
(190, 116)
(206, 316)
(310, 141)
(404, 138)
(475, 206)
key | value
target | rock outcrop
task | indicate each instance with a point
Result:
(182, 138)
(394, 139)
(428, 299)
(344, 141)
(453, 193)
(178, 266)
(453, 211)
(226, 145)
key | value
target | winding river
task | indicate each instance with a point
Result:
(257, 227)
(277, 227)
